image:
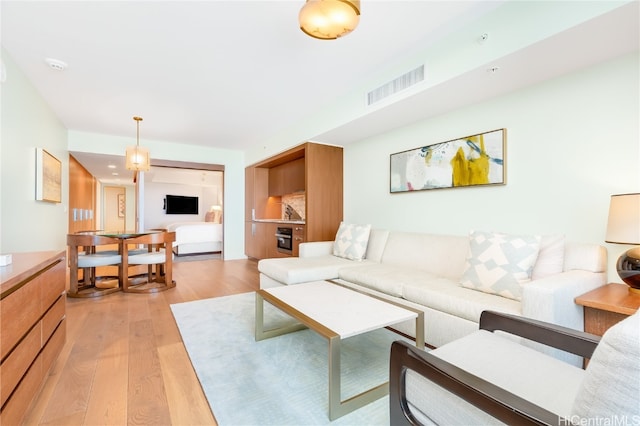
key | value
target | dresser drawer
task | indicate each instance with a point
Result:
(52, 284)
(15, 408)
(20, 311)
(17, 363)
(52, 318)
(53, 347)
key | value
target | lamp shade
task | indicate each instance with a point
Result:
(329, 19)
(623, 226)
(137, 159)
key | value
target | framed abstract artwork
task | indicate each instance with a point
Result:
(469, 161)
(48, 177)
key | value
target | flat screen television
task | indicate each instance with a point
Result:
(181, 204)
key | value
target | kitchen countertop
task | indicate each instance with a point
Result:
(292, 222)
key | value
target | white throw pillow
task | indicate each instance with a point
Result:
(351, 241)
(499, 263)
(550, 258)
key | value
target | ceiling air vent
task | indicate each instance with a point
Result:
(404, 81)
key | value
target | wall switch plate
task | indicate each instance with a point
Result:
(5, 259)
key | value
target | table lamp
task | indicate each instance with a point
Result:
(623, 227)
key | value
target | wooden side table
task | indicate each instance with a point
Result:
(606, 306)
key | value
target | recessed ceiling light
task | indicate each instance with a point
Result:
(111, 166)
(56, 64)
(114, 174)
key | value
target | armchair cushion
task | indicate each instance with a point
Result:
(552, 384)
(444, 407)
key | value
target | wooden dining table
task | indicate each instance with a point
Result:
(123, 238)
(124, 235)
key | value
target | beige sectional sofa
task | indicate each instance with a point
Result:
(427, 271)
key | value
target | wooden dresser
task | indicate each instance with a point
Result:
(32, 327)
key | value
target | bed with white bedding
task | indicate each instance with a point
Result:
(196, 237)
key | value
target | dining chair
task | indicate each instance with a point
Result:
(84, 255)
(158, 257)
(103, 251)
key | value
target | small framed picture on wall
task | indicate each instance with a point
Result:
(122, 205)
(48, 177)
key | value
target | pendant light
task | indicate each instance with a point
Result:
(137, 156)
(329, 19)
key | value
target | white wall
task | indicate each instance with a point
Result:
(155, 193)
(571, 143)
(28, 123)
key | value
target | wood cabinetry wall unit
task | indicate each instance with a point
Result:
(82, 197)
(33, 329)
(287, 178)
(313, 169)
(270, 249)
(255, 239)
(298, 237)
(270, 246)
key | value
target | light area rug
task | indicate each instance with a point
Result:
(282, 380)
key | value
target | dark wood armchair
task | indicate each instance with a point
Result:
(483, 397)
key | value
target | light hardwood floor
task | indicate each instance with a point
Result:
(124, 361)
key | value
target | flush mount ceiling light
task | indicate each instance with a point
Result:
(138, 157)
(329, 19)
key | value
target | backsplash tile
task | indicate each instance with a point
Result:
(297, 202)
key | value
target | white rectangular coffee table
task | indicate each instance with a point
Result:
(335, 312)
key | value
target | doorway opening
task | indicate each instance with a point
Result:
(114, 208)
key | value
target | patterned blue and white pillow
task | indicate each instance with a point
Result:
(351, 241)
(500, 263)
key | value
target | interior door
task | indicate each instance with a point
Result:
(115, 208)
